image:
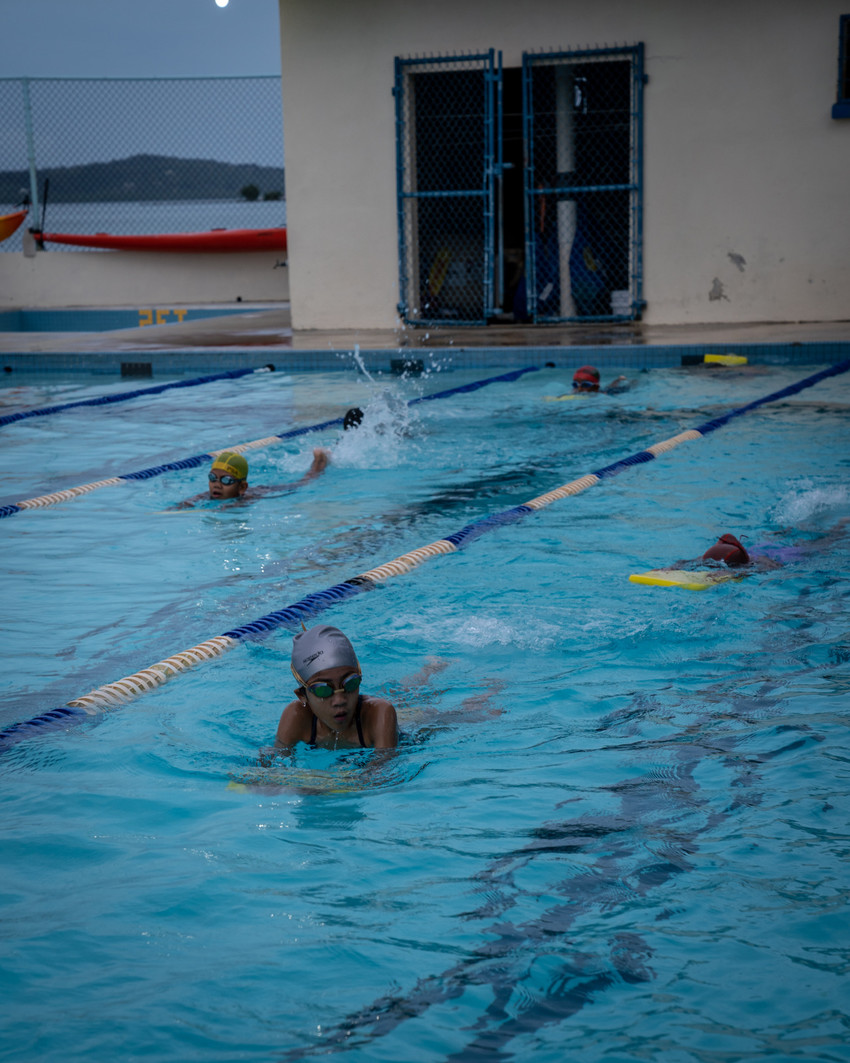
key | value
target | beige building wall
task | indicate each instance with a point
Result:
(746, 202)
(54, 279)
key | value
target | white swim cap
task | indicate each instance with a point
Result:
(320, 648)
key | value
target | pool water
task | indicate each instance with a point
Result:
(616, 826)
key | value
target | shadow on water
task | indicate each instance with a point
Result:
(643, 844)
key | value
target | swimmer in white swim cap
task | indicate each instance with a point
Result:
(329, 709)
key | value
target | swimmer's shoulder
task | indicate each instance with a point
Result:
(379, 721)
(294, 726)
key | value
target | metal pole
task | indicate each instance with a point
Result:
(30, 152)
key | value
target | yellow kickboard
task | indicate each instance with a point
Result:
(563, 398)
(690, 581)
(725, 359)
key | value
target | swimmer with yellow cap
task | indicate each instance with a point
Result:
(228, 480)
(228, 476)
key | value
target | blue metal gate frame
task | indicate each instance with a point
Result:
(563, 189)
(410, 197)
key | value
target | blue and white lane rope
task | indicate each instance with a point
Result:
(106, 400)
(200, 459)
(128, 689)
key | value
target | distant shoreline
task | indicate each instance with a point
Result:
(149, 178)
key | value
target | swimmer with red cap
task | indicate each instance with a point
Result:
(768, 555)
(586, 382)
(729, 550)
(329, 710)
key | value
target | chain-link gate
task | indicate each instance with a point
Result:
(448, 164)
(142, 155)
(583, 247)
(574, 180)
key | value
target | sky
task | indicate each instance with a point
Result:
(139, 38)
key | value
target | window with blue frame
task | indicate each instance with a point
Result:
(841, 108)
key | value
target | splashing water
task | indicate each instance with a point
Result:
(805, 501)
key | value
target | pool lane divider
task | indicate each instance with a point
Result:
(70, 493)
(291, 617)
(105, 400)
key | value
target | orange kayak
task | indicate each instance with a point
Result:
(9, 223)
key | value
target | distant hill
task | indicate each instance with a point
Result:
(146, 177)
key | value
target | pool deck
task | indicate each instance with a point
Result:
(254, 338)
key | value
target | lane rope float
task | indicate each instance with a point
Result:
(124, 396)
(129, 688)
(199, 459)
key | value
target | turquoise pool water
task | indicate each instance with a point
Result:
(616, 827)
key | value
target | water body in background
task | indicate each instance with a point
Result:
(151, 217)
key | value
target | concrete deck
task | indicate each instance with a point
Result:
(252, 337)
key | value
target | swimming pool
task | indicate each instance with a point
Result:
(617, 824)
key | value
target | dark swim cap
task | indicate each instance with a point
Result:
(587, 374)
(320, 648)
(727, 549)
(352, 418)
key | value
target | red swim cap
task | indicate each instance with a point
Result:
(586, 375)
(727, 549)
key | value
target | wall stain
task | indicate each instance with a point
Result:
(717, 291)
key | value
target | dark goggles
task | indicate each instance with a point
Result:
(227, 480)
(350, 685)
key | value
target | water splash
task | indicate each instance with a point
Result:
(384, 436)
(807, 500)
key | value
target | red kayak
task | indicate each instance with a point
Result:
(213, 240)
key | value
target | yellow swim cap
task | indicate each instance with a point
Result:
(231, 462)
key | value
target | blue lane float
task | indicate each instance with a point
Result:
(124, 396)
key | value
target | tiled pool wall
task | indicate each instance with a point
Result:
(104, 320)
(218, 360)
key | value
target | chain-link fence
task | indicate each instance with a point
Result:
(445, 119)
(141, 155)
(519, 190)
(583, 184)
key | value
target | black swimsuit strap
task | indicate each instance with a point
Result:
(356, 720)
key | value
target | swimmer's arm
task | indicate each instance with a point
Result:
(321, 457)
(188, 503)
(432, 666)
(294, 726)
(381, 724)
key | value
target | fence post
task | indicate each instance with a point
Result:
(25, 82)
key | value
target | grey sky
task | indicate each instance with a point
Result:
(139, 38)
(93, 121)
